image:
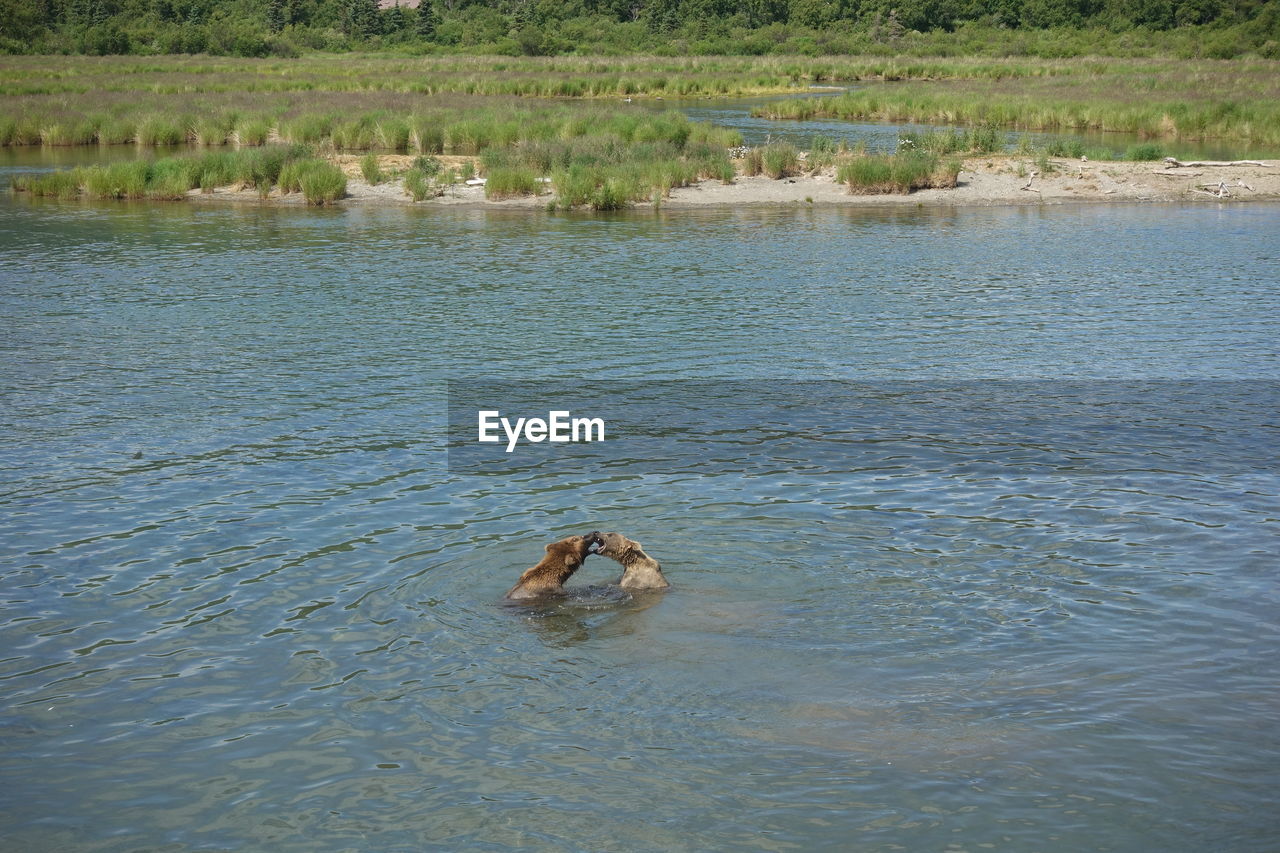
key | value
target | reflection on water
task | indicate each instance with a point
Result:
(248, 605)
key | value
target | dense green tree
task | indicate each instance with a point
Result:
(427, 21)
(257, 27)
(275, 16)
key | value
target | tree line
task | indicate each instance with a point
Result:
(534, 27)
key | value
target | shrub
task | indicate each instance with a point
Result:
(753, 163)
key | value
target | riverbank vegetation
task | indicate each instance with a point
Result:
(1195, 101)
(903, 172)
(600, 169)
(286, 168)
(587, 154)
(427, 104)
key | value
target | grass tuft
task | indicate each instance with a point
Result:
(780, 160)
(320, 181)
(371, 170)
(510, 182)
(897, 173)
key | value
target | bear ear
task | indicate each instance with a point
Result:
(550, 545)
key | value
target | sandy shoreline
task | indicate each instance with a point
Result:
(984, 181)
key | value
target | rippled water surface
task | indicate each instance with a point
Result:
(249, 603)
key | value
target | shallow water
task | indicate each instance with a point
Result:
(251, 601)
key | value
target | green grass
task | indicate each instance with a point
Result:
(420, 184)
(211, 130)
(427, 135)
(254, 130)
(321, 182)
(978, 140)
(170, 178)
(371, 170)
(1238, 101)
(467, 103)
(118, 180)
(306, 129)
(1145, 151)
(63, 184)
(509, 182)
(780, 160)
(903, 172)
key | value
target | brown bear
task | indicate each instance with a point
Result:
(639, 570)
(562, 559)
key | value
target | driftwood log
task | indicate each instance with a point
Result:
(1174, 163)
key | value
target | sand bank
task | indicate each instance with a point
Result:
(986, 180)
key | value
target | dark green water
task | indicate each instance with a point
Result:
(248, 603)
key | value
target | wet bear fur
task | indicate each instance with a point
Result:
(639, 570)
(558, 564)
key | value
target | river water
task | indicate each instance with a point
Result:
(971, 518)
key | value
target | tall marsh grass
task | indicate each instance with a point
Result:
(511, 181)
(780, 160)
(1212, 107)
(170, 178)
(321, 182)
(903, 172)
(372, 170)
(166, 99)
